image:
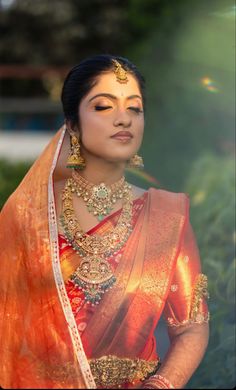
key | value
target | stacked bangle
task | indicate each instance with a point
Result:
(157, 382)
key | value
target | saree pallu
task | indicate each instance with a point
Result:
(40, 343)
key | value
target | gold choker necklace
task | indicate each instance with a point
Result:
(94, 275)
(99, 198)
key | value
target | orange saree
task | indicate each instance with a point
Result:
(48, 339)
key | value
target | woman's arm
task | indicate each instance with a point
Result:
(187, 348)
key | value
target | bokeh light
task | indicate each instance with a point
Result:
(209, 84)
(6, 3)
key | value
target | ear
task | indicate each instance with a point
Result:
(72, 129)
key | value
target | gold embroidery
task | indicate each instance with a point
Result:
(199, 292)
(174, 287)
(113, 371)
(197, 316)
(186, 259)
(200, 318)
(107, 371)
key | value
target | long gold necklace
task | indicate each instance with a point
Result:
(99, 198)
(94, 275)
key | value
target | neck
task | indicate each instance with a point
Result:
(101, 171)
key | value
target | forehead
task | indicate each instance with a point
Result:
(107, 83)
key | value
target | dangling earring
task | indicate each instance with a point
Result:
(136, 162)
(75, 160)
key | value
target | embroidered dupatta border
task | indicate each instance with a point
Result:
(54, 246)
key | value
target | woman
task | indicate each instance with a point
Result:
(89, 262)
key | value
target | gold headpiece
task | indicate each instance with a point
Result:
(120, 72)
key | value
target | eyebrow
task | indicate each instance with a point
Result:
(109, 95)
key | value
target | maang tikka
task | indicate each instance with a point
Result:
(75, 160)
(120, 72)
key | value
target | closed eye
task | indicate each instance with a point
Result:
(102, 108)
(136, 109)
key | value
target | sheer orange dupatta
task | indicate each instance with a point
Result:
(38, 347)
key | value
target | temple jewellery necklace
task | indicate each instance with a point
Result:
(94, 275)
(100, 198)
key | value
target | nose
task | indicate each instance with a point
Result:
(122, 119)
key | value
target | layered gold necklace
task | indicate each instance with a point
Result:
(100, 198)
(94, 275)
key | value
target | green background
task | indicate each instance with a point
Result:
(185, 49)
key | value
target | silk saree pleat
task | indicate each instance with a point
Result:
(124, 322)
(106, 320)
(38, 347)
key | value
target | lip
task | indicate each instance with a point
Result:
(122, 135)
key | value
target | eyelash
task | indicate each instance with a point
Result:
(136, 109)
(103, 108)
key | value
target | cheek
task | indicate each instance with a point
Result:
(91, 123)
(139, 128)
(92, 128)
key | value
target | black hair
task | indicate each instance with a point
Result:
(82, 78)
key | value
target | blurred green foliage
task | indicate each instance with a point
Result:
(11, 175)
(63, 32)
(193, 42)
(211, 186)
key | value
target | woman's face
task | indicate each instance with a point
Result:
(112, 119)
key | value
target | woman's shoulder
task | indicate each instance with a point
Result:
(169, 200)
(138, 191)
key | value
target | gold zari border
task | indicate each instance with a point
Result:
(199, 292)
(200, 319)
(196, 315)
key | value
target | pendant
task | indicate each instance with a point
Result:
(94, 277)
(100, 203)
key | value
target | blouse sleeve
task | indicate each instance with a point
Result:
(186, 301)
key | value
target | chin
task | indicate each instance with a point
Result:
(115, 155)
(122, 159)
(121, 155)
(117, 161)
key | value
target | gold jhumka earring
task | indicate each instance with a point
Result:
(75, 160)
(136, 162)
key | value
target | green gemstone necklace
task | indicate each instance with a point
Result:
(99, 199)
